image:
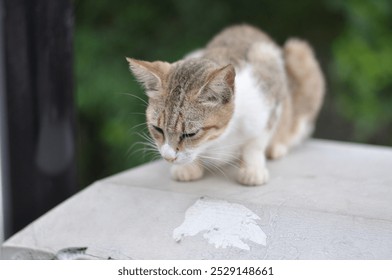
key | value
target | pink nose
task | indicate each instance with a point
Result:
(168, 153)
(170, 159)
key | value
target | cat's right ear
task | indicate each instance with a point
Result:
(150, 74)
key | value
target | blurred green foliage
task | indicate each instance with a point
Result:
(352, 39)
(362, 63)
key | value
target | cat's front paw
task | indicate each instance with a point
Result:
(277, 151)
(253, 176)
(187, 172)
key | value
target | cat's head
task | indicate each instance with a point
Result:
(190, 104)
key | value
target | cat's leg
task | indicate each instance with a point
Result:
(277, 150)
(253, 170)
(187, 172)
(280, 141)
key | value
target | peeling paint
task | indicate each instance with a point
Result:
(91, 253)
(77, 253)
(223, 224)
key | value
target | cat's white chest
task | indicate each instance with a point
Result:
(251, 105)
(249, 120)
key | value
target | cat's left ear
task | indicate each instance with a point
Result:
(150, 74)
(219, 88)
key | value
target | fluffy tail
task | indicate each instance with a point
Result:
(306, 81)
(300, 109)
(307, 86)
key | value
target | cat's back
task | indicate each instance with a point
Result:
(238, 37)
(233, 43)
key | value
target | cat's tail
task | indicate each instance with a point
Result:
(301, 107)
(307, 87)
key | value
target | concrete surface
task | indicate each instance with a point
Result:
(326, 200)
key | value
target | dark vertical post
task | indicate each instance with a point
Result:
(3, 115)
(40, 165)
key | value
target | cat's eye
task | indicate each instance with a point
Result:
(188, 135)
(158, 129)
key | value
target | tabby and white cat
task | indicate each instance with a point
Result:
(241, 98)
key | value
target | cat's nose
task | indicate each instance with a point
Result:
(170, 159)
(168, 153)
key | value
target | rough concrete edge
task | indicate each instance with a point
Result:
(22, 253)
(8, 242)
(72, 253)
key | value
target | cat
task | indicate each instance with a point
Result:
(240, 99)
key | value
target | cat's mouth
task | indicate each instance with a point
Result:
(180, 158)
(180, 161)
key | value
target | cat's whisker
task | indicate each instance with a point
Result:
(224, 154)
(145, 147)
(148, 146)
(135, 96)
(222, 146)
(213, 165)
(136, 113)
(205, 166)
(138, 125)
(154, 155)
(151, 153)
(147, 138)
(216, 160)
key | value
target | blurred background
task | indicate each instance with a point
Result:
(63, 76)
(352, 40)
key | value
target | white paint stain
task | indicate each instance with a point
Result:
(224, 224)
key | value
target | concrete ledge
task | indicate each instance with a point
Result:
(326, 200)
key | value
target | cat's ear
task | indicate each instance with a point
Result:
(219, 88)
(150, 74)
